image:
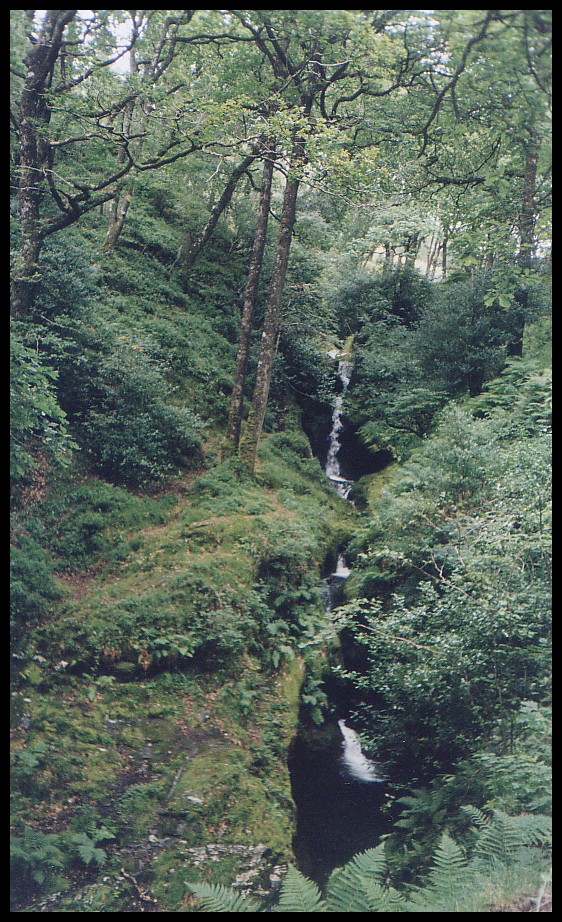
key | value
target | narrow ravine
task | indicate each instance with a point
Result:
(337, 790)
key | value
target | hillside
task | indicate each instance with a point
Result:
(281, 362)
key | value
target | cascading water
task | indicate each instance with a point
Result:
(333, 472)
(336, 788)
(355, 761)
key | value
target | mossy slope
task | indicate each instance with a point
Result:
(157, 698)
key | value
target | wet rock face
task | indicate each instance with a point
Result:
(355, 459)
(337, 815)
(259, 875)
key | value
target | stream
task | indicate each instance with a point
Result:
(337, 790)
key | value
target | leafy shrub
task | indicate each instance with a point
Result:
(134, 435)
(400, 294)
(35, 861)
(32, 585)
(461, 340)
(69, 279)
(37, 422)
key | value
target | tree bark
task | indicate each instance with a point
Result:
(250, 299)
(251, 435)
(528, 244)
(117, 215)
(217, 211)
(119, 206)
(34, 152)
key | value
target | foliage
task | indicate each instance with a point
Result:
(36, 859)
(135, 435)
(37, 422)
(463, 541)
(86, 841)
(521, 778)
(461, 341)
(33, 589)
(454, 880)
(425, 129)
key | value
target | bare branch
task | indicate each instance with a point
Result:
(491, 15)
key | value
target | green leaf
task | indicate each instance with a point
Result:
(298, 894)
(216, 898)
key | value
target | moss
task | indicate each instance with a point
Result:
(187, 748)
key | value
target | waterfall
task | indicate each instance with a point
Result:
(342, 570)
(332, 586)
(357, 764)
(333, 472)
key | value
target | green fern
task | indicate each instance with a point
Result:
(35, 860)
(501, 835)
(216, 898)
(448, 879)
(87, 849)
(454, 883)
(298, 894)
(359, 885)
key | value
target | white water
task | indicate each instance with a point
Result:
(357, 764)
(342, 570)
(333, 471)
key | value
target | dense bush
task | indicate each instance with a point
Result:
(135, 435)
(38, 424)
(461, 341)
(463, 539)
(366, 298)
(33, 589)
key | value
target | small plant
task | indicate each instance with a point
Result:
(455, 883)
(86, 845)
(35, 859)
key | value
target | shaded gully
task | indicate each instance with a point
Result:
(337, 790)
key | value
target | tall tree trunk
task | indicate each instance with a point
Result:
(34, 152)
(119, 206)
(117, 214)
(218, 209)
(528, 243)
(250, 299)
(412, 248)
(250, 438)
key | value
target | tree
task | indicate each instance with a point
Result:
(250, 300)
(134, 112)
(35, 155)
(300, 52)
(74, 112)
(271, 325)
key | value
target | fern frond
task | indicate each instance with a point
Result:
(448, 878)
(477, 816)
(370, 863)
(216, 898)
(358, 885)
(299, 894)
(502, 835)
(383, 899)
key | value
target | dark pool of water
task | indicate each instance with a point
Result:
(337, 815)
